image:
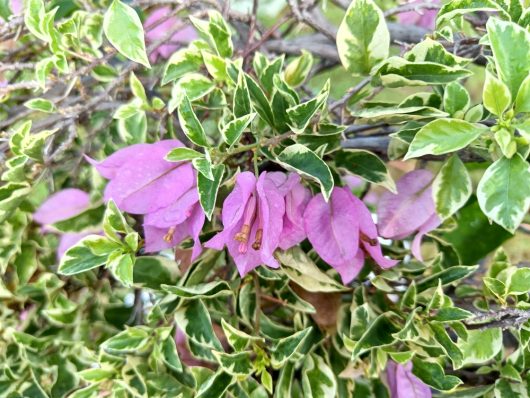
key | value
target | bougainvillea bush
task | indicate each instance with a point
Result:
(264, 199)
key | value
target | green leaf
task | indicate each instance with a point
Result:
(183, 61)
(170, 354)
(398, 72)
(304, 161)
(40, 104)
(449, 314)
(519, 281)
(137, 88)
(285, 381)
(432, 374)
(456, 98)
(443, 136)
(318, 380)
(522, 101)
(217, 31)
(153, 271)
(202, 290)
(286, 347)
(237, 339)
(216, 385)
(238, 364)
(131, 341)
(300, 115)
(124, 30)
(97, 374)
(193, 318)
(121, 266)
(193, 85)
(366, 165)
(505, 389)
(446, 276)
(377, 334)
(259, 100)
(303, 271)
(11, 195)
(496, 95)
(449, 347)
(242, 100)
(233, 130)
(504, 191)
(182, 153)
(114, 223)
(363, 39)
(481, 345)
(455, 8)
(452, 187)
(34, 16)
(398, 114)
(190, 124)
(208, 189)
(510, 44)
(298, 69)
(80, 258)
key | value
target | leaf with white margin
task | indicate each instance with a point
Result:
(504, 191)
(318, 380)
(363, 39)
(452, 187)
(443, 136)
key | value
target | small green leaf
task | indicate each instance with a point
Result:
(452, 187)
(504, 191)
(448, 275)
(286, 347)
(124, 30)
(238, 364)
(182, 153)
(203, 290)
(443, 136)
(137, 88)
(519, 282)
(481, 345)
(233, 130)
(318, 380)
(365, 165)
(522, 101)
(190, 124)
(377, 334)
(216, 385)
(298, 69)
(40, 104)
(496, 95)
(432, 374)
(304, 161)
(237, 339)
(456, 98)
(80, 258)
(300, 115)
(208, 189)
(363, 39)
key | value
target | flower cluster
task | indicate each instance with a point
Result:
(142, 182)
(261, 214)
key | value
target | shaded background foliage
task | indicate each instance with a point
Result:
(342, 93)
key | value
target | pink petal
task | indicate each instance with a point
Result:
(349, 270)
(402, 214)
(154, 237)
(370, 240)
(16, 7)
(332, 228)
(422, 18)
(176, 212)
(109, 167)
(271, 210)
(352, 182)
(195, 223)
(62, 205)
(233, 210)
(404, 384)
(146, 182)
(293, 222)
(431, 224)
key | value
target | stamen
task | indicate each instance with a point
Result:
(257, 242)
(169, 236)
(370, 241)
(243, 235)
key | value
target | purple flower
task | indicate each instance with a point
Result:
(342, 232)
(422, 17)
(61, 206)
(409, 211)
(143, 182)
(156, 30)
(296, 199)
(403, 384)
(252, 218)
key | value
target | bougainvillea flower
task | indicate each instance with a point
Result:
(403, 383)
(169, 226)
(252, 219)
(296, 199)
(422, 17)
(141, 180)
(61, 206)
(156, 30)
(16, 6)
(409, 211)
(342, 232)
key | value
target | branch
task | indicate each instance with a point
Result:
(504, 318)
